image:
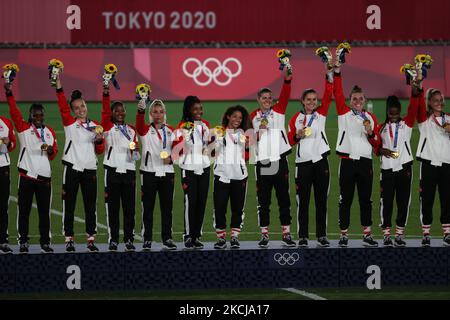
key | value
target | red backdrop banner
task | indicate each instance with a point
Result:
(216, 74)
(125, 21)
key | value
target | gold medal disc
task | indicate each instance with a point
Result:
(164, 155)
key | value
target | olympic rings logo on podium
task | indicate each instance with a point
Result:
(286, 258)
(212, 74)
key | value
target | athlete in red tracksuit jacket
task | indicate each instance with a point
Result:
(7, 145)
(357, 138)
(433, 153)
(79, 158)
(122, 151)
(307, 130)
(37, 148)
(396, 166)
(272, 170)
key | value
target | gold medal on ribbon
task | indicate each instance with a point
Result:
(264, 122)
(243, 139)
(395, 155)
(132, 145)
(164, 154)
(366, 122)
(98, 129)
(307, 131)
(1, 141)
(445, 125)
(44, 147)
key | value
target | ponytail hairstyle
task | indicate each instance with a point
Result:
(157, 103)
(76, 94)
(245, 124)
(356, 89)
(187, 105)
(430, 93)
(392, 102)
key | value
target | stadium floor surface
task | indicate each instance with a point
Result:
(245, 245)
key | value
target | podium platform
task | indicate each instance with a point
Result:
(248, 267)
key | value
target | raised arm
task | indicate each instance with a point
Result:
(283, 99)
(63, 106)
(14, 111)
(339, 97)
(413, 107)
(326, 99)
(106, 110)
(422, 108)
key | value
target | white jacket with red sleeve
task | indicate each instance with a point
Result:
(152, 145)
(32, 162)
(7, 131)
(434, 142)
(79, 149)
(353, 141)
(189, 151)
(314, 147)
(118, 154)
(405, 127)
(273, 142)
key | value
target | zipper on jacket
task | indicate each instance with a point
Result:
(323, 137)
(407, 149)
(109, 153)
(21, 155)
(68, 147)
(284, 138)
(242, 169)
(423, 146)
(342, 138)
(146, 157)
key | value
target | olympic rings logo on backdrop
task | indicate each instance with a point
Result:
(286, 258)
(214, 73)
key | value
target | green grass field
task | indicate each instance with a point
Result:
(213, 112)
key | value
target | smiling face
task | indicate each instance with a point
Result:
(234, 120)
(80, 109)
(119, 114)
(436, 102)
(197, 111)
(357, 101)
(157, 113)
(265, 101)
(393, 114)
(310, 102)
(37, 117)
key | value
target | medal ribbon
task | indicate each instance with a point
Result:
(123, 129)
(395, 138)
(87, 127)
(40, 136)
(163, 139)
(313, 116)
(443, 120)
(360, 114)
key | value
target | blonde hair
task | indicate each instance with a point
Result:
(157, 103)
